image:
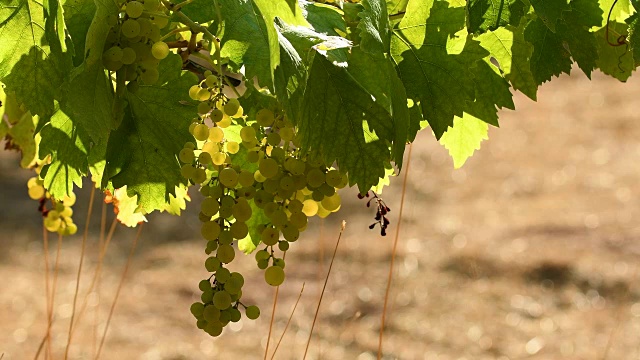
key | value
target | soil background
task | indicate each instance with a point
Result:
(529, 251)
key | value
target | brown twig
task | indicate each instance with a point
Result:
(324, 287)
(288, 322)
(393, 254)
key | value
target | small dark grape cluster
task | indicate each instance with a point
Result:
(381, 211)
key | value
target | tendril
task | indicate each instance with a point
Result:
(621, 40)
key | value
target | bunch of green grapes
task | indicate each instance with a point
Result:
(58, 218)
(133, 48)
(275, 178)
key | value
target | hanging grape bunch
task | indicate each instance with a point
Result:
(57, 218)
(134, 48)
(275, 179)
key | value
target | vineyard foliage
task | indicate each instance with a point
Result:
(105, 89)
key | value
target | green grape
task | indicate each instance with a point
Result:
(113, 65)
(332, 203)
(193, 92)
(227, 202)
(270, 236)
(317, 195)
(71, 229)
(333, 178)
(248, 133)
(221, 300)
(252, 312)
(150, 76)
(186, 156)
(134, 9)
(315, 177)
(130, 28)
(264, 117)
(203, 217)
(257, 176)
(278, 154)
(322, 212)
(211, 313)
(216, 134)
(197, 309)
(253, 156)
(270, 208)
(273, 139)
(283, 245)
(211, 81)
(219, 158)
(241, 211)
(237, 278)
(160, 21)
(203, 108)
(204, 158)
(262, 255)
(212, 264)
(225, 238)
(231, 287)
(298, 219)
(212, 245)
(228, 177)
(222, 275)
(239, 230)
(209, 206)
(295, 206)
(145, 27)
(310, 207)
(274, 276)
(245, 178)
(263, 264)
(201, 132)
(235, 314)
(226, 253)
(112, 20)
(128, 56)
(36, 192)
(210, 230)
(199, 176)
(151, 5)
(279, 262)
(203, 94)
(213, 329)
(187, 171)
(207, 296)
(160, 50)
(327, 190)
(268, 168)
(279, 218)
(201, 323)
(287, 134)
(204, 285)
(216, 115)
(231, 107)
(291, 233)
(233, 147)
(113, 54)
(247, 192)
(287, 183)
(225, 316)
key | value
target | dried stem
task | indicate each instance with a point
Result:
(288, 322)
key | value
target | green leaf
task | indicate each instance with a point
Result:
(549, 57)
(142, 152)
(68, 146)
(464, 138)
(634, 37)
(439, 80)
(396, 6)
(78, 15)
(324, 18)
(491, 90)
(374, 27)
(581, 43)
(200, 11)
(250, 37)
(490, 14)
(30, 64)
(378, 77)
(550, 11)
(508, 46)
(620, 10)
(614, 58)
(251, 242)
(305, 41)
(331, 123)
(20, 136)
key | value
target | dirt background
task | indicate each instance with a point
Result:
(530, 251)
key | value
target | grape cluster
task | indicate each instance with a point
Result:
(275, 178)
(58, 218)
(133, 47)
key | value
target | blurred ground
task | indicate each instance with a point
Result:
(530, 251)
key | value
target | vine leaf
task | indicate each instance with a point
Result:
(616, 61)
(78, 15)
(32, 63)
(334, 108)
(464, 138)
(142, 152)
(550, 11)
(374, 27)
(492, 91)
(490, 14)
(396, 6)
(439, 80)
(549, 57)
(250, 37)
(323, 18)
(513, 53)
(20, 135)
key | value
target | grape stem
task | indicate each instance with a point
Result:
(177, 7)
(175, 31)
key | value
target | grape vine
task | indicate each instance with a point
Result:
(269, 107)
